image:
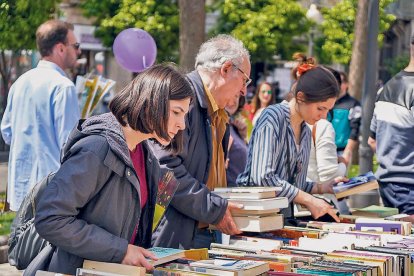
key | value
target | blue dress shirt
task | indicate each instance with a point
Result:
(42, 109)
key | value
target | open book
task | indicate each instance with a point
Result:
(356, 185)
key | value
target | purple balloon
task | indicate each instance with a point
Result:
(135, 49)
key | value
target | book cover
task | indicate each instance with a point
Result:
(380, 225)
(165, 255)
(208, 271)
(375, 211)
(242, 267)
(358, 184)
(167, 186)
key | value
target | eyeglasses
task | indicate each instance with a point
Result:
(269, 92)
(76, 45)
(248, 80)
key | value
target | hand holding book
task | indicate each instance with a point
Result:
(227, 224)
(137, 256)
(328, 186)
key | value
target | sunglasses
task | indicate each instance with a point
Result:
(248, 80)
(269, 92)
(76, 45)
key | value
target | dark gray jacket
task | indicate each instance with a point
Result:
(91, 207)
(193, 202)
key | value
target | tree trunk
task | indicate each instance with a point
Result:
(4, 89)
(359, 51)
(192, 31)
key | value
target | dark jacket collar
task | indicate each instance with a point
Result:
(197, 82)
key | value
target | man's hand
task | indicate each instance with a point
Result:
(136, 256)
(227, 224)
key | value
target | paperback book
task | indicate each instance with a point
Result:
(362, 183)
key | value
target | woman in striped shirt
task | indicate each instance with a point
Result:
(280, 145)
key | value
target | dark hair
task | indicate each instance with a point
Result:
(51, 33)
(143, 103)
(318, 84)
(256, 100)
(337, 75)
(344, 77)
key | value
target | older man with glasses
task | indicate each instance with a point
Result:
(221, 77)
(42, 109)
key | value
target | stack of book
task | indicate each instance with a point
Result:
(260, 207)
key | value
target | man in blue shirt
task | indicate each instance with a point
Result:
(42, 108)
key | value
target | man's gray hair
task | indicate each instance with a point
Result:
(219, 49)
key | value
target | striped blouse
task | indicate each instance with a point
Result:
(271, 142)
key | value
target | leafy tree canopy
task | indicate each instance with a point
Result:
(335, 44)
(19, 20)
(160, 18)
(266, 27)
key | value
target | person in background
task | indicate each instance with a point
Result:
(279, 149)
(346, 120)
(100, 203)
(392, 137)
(221, 77)
(42, 108)
(263, 98)
(324, 163)
(237, 153)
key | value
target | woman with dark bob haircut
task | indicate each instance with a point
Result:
(279, 149)
(100, 203)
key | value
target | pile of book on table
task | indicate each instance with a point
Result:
(261, 207)
(179, 262)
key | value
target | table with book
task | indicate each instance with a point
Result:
(374, 240)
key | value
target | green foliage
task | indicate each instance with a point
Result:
(159, 18)
(354, 170)
(6, 220)
(337, 39)
(19, 20)
(395, 65)
(266, 27)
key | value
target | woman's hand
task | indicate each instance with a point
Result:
(319, 207)
(137, 256)
(327, 187)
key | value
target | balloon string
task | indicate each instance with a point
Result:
(144, 62)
